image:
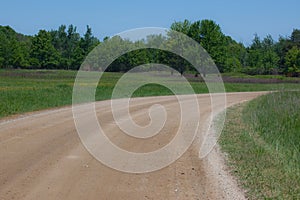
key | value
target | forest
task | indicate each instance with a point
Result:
(65, 48)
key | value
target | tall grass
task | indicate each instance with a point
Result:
(262, 140)
(276, 117)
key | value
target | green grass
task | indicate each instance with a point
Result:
(23, 91)
(30, 90)
(262, 140)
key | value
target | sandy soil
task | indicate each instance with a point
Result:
(41, 157)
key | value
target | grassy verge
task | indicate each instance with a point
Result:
(29, 90)
(262, 140)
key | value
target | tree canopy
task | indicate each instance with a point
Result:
(65, 48)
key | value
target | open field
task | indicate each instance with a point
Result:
(29, 90)
(262, 139)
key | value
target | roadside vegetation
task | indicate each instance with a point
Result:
(262, 141)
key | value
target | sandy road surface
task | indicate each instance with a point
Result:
(41, 157)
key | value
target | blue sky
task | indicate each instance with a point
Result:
(239, 19)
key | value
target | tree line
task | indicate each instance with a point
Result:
(56, 49)
(65, 48)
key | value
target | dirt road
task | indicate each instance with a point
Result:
(41, 157)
